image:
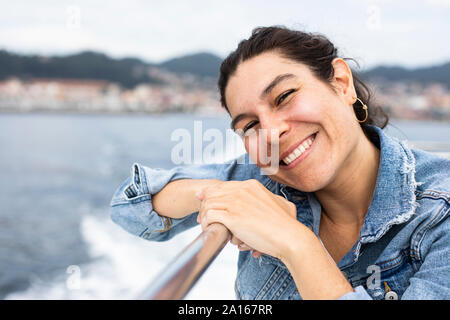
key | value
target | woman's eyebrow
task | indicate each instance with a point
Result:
(265, 92)
(237, 119)
(275, 82)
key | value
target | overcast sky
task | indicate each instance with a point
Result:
(391, 32)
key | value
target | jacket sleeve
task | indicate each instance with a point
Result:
(131, 205)
(359, 293)
(432, 281)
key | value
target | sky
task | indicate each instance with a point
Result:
(407, 33)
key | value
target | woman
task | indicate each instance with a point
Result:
(350, 213)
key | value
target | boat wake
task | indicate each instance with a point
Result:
(123, 265)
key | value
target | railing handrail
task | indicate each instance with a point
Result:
(180, 275)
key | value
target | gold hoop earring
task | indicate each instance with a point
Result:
(365, 109)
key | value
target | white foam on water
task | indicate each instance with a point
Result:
(123, 265)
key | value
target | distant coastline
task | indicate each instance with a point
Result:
(222, 113)
(92, 82)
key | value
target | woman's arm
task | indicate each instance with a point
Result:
(133, 205)
(177, 199)
(315, 273)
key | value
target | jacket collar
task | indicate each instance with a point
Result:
(394, 200)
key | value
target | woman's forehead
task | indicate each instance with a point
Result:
(265, 64)
(254, 76)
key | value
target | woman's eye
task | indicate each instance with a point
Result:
(249, 126)
(284, 96)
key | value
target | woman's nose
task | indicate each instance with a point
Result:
(276, 128)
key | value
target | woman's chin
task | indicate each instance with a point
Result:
(304, 185)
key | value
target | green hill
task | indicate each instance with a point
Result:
(129, 72)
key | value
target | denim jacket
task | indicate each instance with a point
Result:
(403, 249)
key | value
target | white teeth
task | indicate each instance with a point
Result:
(298, 151)
(302, 148)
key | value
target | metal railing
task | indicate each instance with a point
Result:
(184, 271)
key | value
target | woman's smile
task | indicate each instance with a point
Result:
(298, 152)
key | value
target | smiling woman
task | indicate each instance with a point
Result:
(351, 213)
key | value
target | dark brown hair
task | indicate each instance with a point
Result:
(312, 49)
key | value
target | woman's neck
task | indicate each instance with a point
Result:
(346, 200)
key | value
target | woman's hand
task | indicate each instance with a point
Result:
(267, 223)
(256, 217)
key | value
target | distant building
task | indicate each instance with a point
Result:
(186, 94)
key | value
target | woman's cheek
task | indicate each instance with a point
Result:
(257, 151)
(251, 149)
(305, 110)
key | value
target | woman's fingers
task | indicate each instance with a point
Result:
(225, 205)
(256, 254)
(235, 241)
(243, 247)
(213, 216)
(214, 205)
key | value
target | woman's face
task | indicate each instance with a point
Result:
(316, 129)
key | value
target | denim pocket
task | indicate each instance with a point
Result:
(396, 272)
(259, 280)
(390, 274)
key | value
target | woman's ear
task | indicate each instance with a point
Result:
(343, 80)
